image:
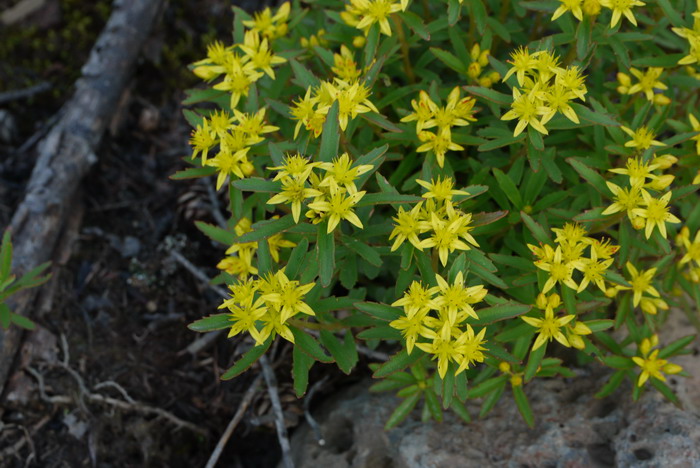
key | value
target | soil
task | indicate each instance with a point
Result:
(120, 302)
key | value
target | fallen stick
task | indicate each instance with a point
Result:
(67, 152)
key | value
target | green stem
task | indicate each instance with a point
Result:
(404, 50)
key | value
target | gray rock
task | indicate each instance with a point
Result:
(573, 429)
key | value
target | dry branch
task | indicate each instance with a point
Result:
(67, 151)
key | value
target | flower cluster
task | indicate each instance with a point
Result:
(570, 256)
(693, 38)
(334, 194)
(650, 363)
(362, 14)
(644, 210)
(480, 59)
(565, 329)
(648, 83)
(230, 137)
(239, 260)
(441, 315)
(262, 307)
(241, 71)
(448, 227)
(692, 253)
(544, 88)
(458, 112)
(593, 8)
(347, 89)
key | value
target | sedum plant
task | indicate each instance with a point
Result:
(476, 185)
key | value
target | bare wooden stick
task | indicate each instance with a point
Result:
(67, 151)
(282, 437)
(242, 406)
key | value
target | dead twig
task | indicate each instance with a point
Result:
(242, 406)
(197, 273)
(215, 206)
(307, 410)
(282, 437)
(16, 94)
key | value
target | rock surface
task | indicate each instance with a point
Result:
(573, 429)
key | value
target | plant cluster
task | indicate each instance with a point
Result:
(379, 193)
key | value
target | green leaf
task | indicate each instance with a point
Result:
(672, 15)
(330, 137)
(597, 118)
(591, 176)
(537, 231)
(296, 259)
(303, 76)
(454, 9)
(380, 311)
(450, 60)
(599, 325)
(416, 24)
(611, 385)
(665, 390)
(506, 184)
(500, 312)
(194, 173)
(31, 278)
(535, 138)
(478, 12)
(301, 364)
(264, 257)
(523, 406)
(363, 250)
(215, 233)
(247, 360)
(211, 323)
(461, 410)
(257, 184)
(309, 345)
(402, 411)
(5, 315)
(533, 362)
(193, 118)
(344, 353)
(265, 229)
(675, 347)
(387, 198)
(370, 49)
(398, 362)
(5, 256)
(22, 321)
(325, 247)
(503, 100)
(431, 400)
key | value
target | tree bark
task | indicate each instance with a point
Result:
(67, 152)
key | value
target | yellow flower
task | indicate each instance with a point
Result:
(621, 7)
(338, 206)
(574, 6)
(294, 192)
(288, 296)
(269, 25)
(637, 170)
(441, 189)
(345, 66)
(412, 326)
(260, 54)
(352, 99)
(625, 200)
(438, 143)
(572, 80)
(549, 327)
(375, 11)
(445, 237)
(240, 266)
(304, 110)
(277, 242)
(656, 213)
(574, 331)
(244, 317)
(642, 138)
(696, 128)
(650, 305)
(521, 62)
(641, 283)
(648, 81)
(463, 350)
(423, 111)
(237, 79)
(228, 163)
(416, 298)
(202, 140)
(560, 271)
(650, 363)
(253, 125)
(557, 99)
(527, 108)
(294, 165)
(692, 248)
(456, 299)
(342, 173)
(408, 225)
